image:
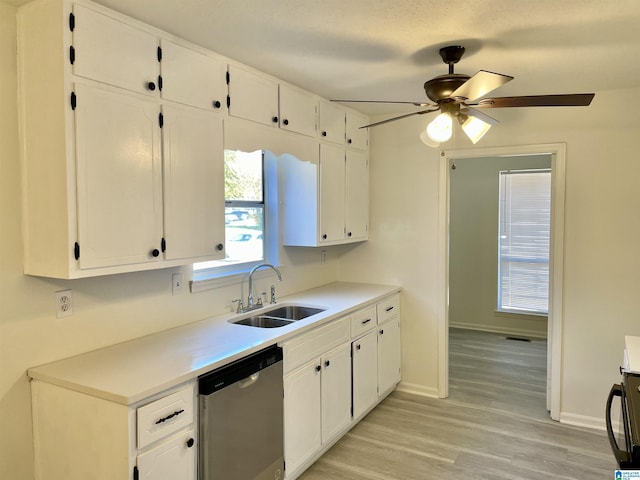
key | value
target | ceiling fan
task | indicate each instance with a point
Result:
(458, 96)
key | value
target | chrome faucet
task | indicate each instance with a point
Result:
(250, 305)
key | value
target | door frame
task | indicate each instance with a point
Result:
(556, 260)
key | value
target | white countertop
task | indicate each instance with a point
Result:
(129, 372)
(632, 354)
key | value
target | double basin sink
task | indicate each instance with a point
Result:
(278, 316)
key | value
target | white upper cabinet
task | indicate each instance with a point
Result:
(253, 96)
(298, 110)
(332, 122)
(119, 178)
(114, 52)
(332, 194)
(192, 77)
(357, 195)
(357, 137)
(193, 193)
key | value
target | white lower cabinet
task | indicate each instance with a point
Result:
(170, 460)
(365, 373)
(388, 355)
(317, 405)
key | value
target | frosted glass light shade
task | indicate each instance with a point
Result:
(439, 130)
(475, 128)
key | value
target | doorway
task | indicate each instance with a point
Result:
(556, 152)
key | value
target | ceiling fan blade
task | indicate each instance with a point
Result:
(422, 112)
(417, 104)
(569, 100)
(472, 112)
(480, 84)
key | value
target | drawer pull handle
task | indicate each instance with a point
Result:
(169, 417)
(364, 322)
(327, 363)
(388, 309)
(318, 368)
(358, 347)
(190, 442)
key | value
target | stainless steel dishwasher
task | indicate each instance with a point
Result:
(241, 419)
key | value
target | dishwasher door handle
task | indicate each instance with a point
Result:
(250, 380)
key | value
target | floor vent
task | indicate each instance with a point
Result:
(519, 339)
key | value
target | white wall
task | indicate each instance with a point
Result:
(602, 236)
(107, 310)
(473, 242)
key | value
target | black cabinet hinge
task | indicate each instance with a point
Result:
(74, 101)
(228, 101)
(72, 55)
(163, 245)
(76, 251)
(72, 21)
(160, 119)
(160, 82)
(228, 78)
(159, 54)
(136, 474)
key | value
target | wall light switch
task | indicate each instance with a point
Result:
(178, 281)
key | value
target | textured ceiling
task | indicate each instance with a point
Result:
(386, 49)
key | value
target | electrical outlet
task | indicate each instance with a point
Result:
(177, 281)
(64, 304)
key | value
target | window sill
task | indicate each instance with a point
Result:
(520, 314)
(226, 279)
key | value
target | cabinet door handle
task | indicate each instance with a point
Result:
(155, 252)
(220, 247)
(381, 332)
(274, 119)
(348, 234)
(349, 141)
(318, 368)
(364, 322)
(169, 417)
(216, 104)
(151, 86)
(327, 363)
(190, 442)
(324, 237)
(286, 121)
(388, 309)
(324, 133)
(357, 347)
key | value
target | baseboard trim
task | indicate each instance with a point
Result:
(416, 389)
(494, 329)
(594, 423)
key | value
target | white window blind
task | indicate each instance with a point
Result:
(523, 244)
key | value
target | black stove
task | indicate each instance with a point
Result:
(627, 455)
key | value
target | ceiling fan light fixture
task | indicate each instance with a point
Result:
(440, 129)
(474, 128)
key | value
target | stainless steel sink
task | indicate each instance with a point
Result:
(293, 312)
(263, 321)
(278, 317)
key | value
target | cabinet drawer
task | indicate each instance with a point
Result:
(389, 307)
(315, 343)
(165, 416)
(363, 321)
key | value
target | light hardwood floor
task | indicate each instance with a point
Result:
(494, 425)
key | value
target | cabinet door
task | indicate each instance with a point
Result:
(365, 373)
(388, 355)
(193, 183)
(252, 96)
(119, 178)
(357, 196)
(332, 123)
(298, 111)
(302, 414)
(171, 460)
(113, 52)
(193, 78)
(357, 137)
(336, 391)
(332, 185)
